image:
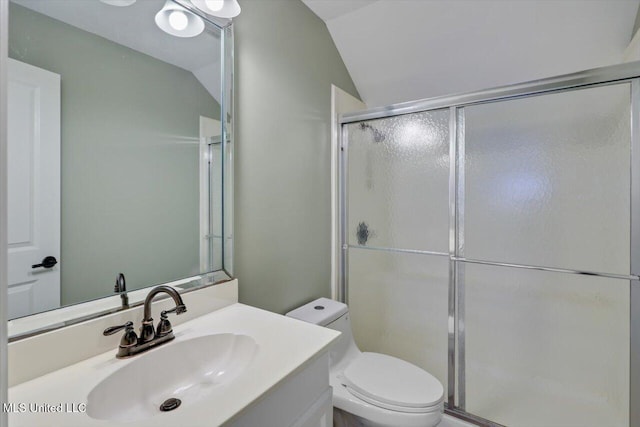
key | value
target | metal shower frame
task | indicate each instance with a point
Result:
(615, 74)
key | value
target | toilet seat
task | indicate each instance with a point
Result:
(393, 384)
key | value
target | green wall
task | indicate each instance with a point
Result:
(285, 64)
(130, 128)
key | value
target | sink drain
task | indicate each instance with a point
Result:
(170, 404)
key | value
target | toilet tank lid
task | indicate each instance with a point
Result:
(320, 312)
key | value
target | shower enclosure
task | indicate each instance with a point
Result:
(493, 239)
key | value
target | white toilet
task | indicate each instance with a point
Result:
(373, 389)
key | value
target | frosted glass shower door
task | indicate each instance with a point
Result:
(397, 233)
(546, 348)
(398, 182)
(548, 180)
(396, 305)
(547, 185)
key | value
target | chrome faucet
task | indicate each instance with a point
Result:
(131, 344)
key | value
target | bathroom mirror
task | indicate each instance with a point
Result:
(119, 151)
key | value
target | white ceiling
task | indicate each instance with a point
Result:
(402, 50)
(329, 9)
(134, 26)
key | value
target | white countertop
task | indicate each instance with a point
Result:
(284, 345)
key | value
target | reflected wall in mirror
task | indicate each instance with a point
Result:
(115, 151)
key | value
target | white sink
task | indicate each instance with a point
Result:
(188, 370)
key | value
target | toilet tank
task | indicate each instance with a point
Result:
(334, 315)
(321, 312)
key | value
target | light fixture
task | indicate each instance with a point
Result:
(219, 8)
(178, 21)
(120, 3)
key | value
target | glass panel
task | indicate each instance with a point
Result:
(398, 182)
(546, 348)
(398, 306)
(547, 180)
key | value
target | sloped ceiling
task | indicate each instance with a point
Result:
(402, 50)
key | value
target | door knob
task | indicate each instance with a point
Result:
(47, 262)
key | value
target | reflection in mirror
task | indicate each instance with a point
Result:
(115, 152)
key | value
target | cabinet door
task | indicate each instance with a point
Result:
(301, 400)
(320, 414)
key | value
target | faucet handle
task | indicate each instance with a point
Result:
(128, 340)
(178, 309)
(113, 329)
(164, 326)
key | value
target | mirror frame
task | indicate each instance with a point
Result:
(84, 310)
(4, 54)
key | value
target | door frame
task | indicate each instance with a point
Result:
(207, 124)
(341, 102)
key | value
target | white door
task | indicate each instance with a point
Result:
(34, 188)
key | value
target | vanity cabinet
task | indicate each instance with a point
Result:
(302, 400)
(277, 367)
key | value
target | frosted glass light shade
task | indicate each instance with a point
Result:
(219, 8)
(120, 3)
(171, 18)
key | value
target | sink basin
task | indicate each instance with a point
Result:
(188, 370)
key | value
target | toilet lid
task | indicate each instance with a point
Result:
(392, 383)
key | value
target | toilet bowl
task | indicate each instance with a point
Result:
(372, 389)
